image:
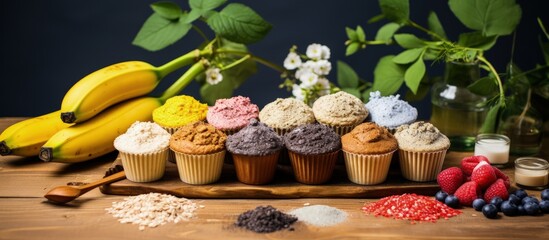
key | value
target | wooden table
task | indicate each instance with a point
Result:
(25, 214)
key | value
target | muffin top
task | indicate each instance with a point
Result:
(369, 138)
(256, 139)
(142, 137)
(179, 111)
(421, 137)
(232, 113)
(198, 138)
(312, 139)
(390, 111)
(286, 113)
(339, 109)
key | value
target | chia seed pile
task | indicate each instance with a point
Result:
(265, 219)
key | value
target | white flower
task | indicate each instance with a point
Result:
(324, 85)
(213, 76)
(298, 92)
(314, 51)
(308, 79)
(322, 67)
(292, 61)
(325, 54)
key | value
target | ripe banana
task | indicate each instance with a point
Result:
(25, 138)
(95, 137)
(116, 83)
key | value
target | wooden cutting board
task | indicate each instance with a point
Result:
(284, 185)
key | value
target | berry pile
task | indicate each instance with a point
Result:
(475, 179)
(518, 203)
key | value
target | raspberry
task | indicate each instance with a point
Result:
(497, 189)
(467, 193)
(469, 163)
(450, 179)
(484, 175)
(501, 175)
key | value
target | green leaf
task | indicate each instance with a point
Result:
(168, 10)
(351, 34)
(346, 76)
(210, 93)
(193, 15)
(408, 56)
(158, 32)
(422, 92)
(485, 86)
(352, 48)
(408, 41)
(376, 18)
(366, 95)
(414, 74)
(205, 5)
(388, 76)
(491, 17)
(241, 72)
(360, 34)
(355, 92)
(386, 32)
(435, 25)
(395, 10)
(490, 122)
(239, 23)
(476, 40)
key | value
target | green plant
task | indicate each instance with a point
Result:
(234, 26)
(487, 19)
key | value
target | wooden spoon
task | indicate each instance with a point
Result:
(65, 194)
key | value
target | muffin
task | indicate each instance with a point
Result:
(255, 150)
(367, 151)
(285, 114)
(313, 150)
(341, 111)
(233, 114)
(422, 148)
(199, 151)
(390, 111)
(143, 149)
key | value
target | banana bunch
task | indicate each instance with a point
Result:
(102, 106)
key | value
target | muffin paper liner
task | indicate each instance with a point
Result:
(200, 168)
(313, 169)
(367, 169)
(342, 130)
(171, 154)
(421, 166)
(255, 170)
(146, 167)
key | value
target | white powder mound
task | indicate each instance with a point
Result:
(390, 111)
(143, 137)
(320, 215)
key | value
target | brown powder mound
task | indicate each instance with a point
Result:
(198, 138)
(369, 138)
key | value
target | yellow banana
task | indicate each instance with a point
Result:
(95, 137)
(116, 83)
(25, 138)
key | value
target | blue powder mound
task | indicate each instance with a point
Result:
(390, 111)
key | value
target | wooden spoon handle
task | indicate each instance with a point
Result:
(112, 178)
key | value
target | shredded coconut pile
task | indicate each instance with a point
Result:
(152, 210)
(390, 111)
(320, 215)
(143, 137)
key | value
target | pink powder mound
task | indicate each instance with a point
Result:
(232, 113)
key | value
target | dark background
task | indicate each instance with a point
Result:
(47, 46)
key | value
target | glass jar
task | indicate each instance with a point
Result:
(458, 112)
(531, 172)
(495, 147)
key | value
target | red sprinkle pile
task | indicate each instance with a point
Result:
(415, 208)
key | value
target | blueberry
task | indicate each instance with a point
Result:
(478, 204)
(441, 195)
(490, 211)
(521, 210)
(544, 206)
(530, 199)
(545, 194)
(509, 208)
(497, 202)
(514, 199)
(452, 201)
(521, 193)
(531, 208)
